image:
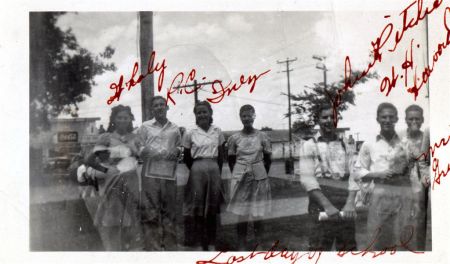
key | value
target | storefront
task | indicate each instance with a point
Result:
(69, 137)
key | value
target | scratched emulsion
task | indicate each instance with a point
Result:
(235, 59)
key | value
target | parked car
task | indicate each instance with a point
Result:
(57, 164)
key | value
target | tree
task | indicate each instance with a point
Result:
(307, 103)
(266, 128)
(61, 71)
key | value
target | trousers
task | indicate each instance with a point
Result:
(159, 217)
(389, 220)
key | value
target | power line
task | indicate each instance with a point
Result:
(196, 86)
(322, 66)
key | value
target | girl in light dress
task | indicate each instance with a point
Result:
(249, 158)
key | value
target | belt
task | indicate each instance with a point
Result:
(205, 158)
(249, 163)
(343, 178)
(395, 180)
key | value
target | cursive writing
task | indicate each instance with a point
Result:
(411, 16)
(180, 82)
(151, 69)
(292, 256)
(218, 89)
(221, 91)
(421, 79)
(392, 249)
(405, 238)
(438, 173)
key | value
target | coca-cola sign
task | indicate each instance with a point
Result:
(68, 136)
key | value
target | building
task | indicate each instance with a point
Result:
(70, 135)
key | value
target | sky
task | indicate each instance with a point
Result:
(226, 45)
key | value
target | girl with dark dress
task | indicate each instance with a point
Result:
(203, 155)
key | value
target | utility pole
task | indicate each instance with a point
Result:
(196, 86)
(322, 66)
(145, 49)
(289, 166)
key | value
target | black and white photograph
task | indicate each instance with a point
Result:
(285, 135)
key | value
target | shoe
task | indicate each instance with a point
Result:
(241, 247)
(212, 248)
(197, 248)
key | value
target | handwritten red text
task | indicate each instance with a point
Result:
(218, 89)
(438, 173)
(411, 16)
(292, 256)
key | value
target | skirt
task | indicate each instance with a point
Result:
(250, 196)
(118, 216)
(203, 193)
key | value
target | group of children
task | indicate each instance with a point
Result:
(137, 208)
(387, 170)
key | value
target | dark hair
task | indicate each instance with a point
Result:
(320, 108)
(208, 106)
(414, 107)
(154, 98)
(246, 107)
(385, 105)
(114, 112)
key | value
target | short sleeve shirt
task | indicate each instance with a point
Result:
(381, 155)
(204, 144)
(159, 139)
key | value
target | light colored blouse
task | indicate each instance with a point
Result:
(160, 139)
(204, 144)
(117, 145)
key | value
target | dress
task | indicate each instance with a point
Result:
(251, 193)
(389, 216)
(118, 216)
(159, 192)
(326, 166)
(203, 191)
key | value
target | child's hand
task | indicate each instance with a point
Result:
(425, 181)
(349, 211)
(133, 147)
(331, 211)
(173, 155)
(145, 153)
(389, 174)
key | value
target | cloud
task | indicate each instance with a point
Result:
(200, 33)
(94, 31)
(237, 22)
